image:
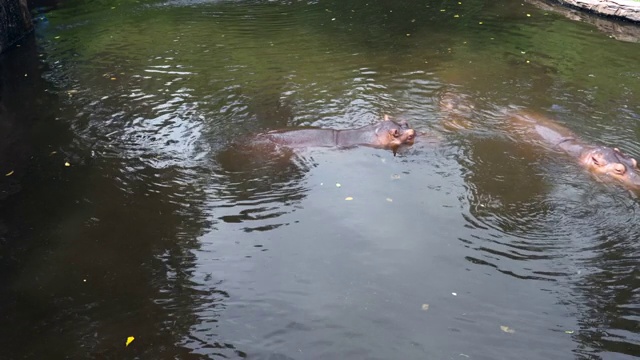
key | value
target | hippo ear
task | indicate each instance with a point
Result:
(619, 168)
(386, 117)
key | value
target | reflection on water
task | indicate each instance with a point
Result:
(259, 184)
(166, 228)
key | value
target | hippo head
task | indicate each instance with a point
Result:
(393, 134)
(457, 111)
(456, 103)
(612, 162)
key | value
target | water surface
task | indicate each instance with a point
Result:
(467, 245)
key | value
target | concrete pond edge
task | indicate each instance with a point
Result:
(621, 9)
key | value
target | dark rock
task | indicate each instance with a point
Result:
(15, 22)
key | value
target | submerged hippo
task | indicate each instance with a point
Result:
(386, 134)
(602, 161)
(599, 160)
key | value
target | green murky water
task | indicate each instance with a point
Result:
(159, 229)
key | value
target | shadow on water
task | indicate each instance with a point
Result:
(28, 151)
(259, 182)
(95, 251)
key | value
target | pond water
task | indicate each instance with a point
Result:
(126, 211)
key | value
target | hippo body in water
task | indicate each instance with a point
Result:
(602, 161)
(386, 134)
(599, 160)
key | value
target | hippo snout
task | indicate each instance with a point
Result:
(409, 137)
(632, 179)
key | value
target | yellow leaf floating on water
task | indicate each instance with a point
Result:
(66, 163)
(9, 173)
(129, 340)
(507, 329)
(568, 331)
(348, 198)
(425, 307)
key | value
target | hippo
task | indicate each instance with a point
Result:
(386, 134)
(602, 161)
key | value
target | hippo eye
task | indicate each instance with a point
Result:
(395, 133)
(619, 169)
(595, 161)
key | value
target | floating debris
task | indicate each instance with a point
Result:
(507, 329)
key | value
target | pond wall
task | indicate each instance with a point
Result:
(624, 9)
